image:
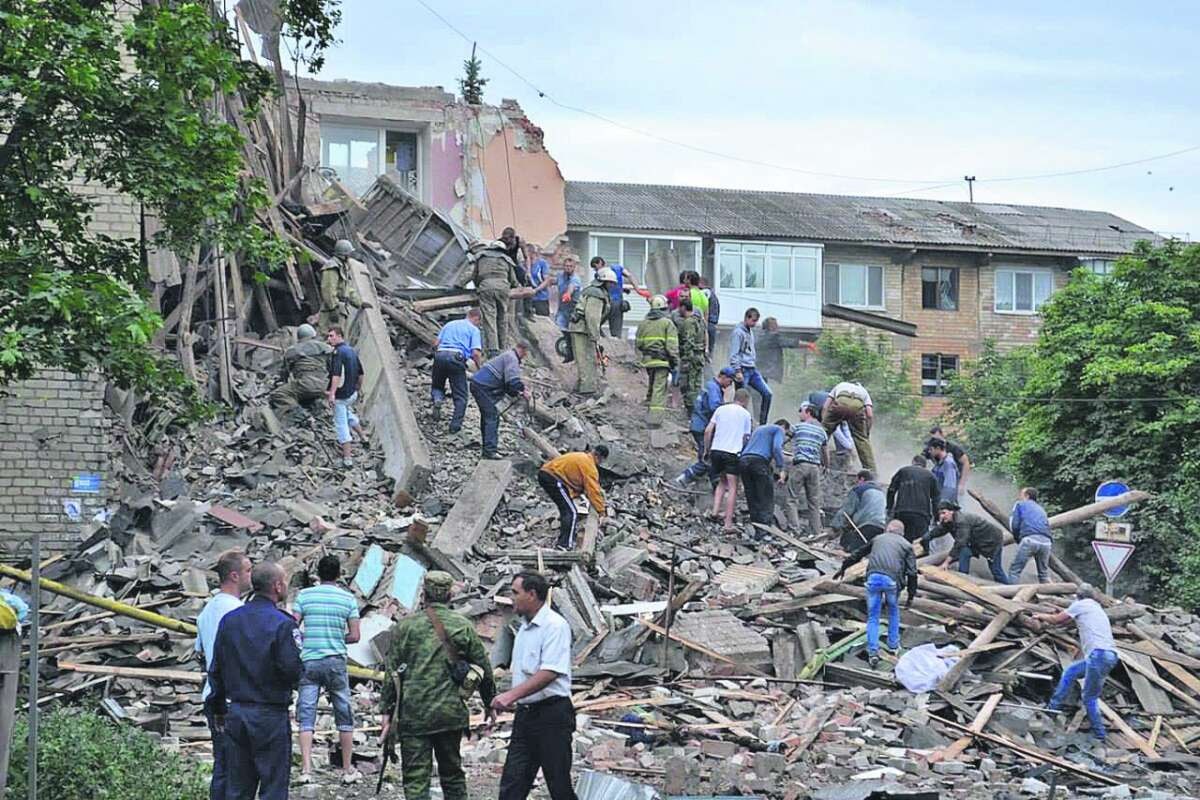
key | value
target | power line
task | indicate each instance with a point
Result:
(926, 185)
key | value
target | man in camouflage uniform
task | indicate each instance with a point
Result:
(305, 371)
(434, 714)
(591, 309)
(337, 289)
(658, 344)
(495, 279)
(693, 344)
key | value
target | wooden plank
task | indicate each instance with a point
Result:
(134, 672)
(1180, 674)
(994, 628)
(965, 584)
(441, 303)
(699, 648)
(540, 442)
(1154, 646)
(1145, 682)
(954, 750)
(1128, 732)
(472, 512)
(591, 534)
(1155, 731)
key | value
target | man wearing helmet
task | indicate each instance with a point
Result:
(591, 309)
(495, 279)
(658, 344)
(304, 370)
(337, 290)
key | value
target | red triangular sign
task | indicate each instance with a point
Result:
(1112, 557)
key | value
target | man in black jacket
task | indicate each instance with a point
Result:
(973, 536)
(911, 498)
(892, 564)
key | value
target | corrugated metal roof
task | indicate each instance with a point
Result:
(842, 218)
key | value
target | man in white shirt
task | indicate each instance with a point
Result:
(541, 696)
(850, 402)
(233, 572)
(1099, 654)
(726, 435)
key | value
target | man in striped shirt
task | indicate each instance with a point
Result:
(811, 456)
(329, 615)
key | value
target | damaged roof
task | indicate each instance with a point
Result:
(843, 218)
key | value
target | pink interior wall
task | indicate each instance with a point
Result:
(538, 191)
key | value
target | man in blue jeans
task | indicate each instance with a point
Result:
(345, 381)
(973, 536)
(458, 342)
(1031, 528)
(891, 564)
(743, 357)
(703, 406)
(1099, 654)
(500, 376)
(329, 615)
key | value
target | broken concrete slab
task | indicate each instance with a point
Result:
(472, 513)
(726, 635)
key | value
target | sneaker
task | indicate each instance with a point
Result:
(873, 660)
(304, 778)
(454, 430)
(353, 776)
(681, 481)
(492, 456)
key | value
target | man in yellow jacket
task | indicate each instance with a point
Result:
(565, 478)
(657, 342)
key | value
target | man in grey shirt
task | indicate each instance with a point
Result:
(743, 357)
(864, 513)
(1099, 654)
(892, 564)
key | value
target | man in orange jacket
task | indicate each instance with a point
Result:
(565, 478)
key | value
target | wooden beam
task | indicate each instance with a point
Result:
(965, 584)
(1084, 513)
(954, 750)
(1144, 668)
(134, 672)
(994, 628)
(540, 442)
(1128, 732)
(472, 512)
(441, 303)
(996, 514)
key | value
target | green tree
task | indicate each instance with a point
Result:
(985, 403)
(472, 83)
(872, 361)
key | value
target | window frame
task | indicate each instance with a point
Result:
(621, 237)
(796, 252)
(867, 267)
(955, 281)
(1033, 272)
(1090, 264)
(381, 128)
(940, 381)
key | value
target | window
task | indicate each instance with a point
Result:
(768, 267)
(856, 285)
(359, 155)
(655, 262)
(939, 288)
(1097, 266)
(936, 370)
(1022, 291)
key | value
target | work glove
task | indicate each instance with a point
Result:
(566, 297)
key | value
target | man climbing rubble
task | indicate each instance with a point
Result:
(764, 447)
(810, 458)
(912, 497)
(591, 309)
(706, 403)
(345, 381)
(495, 278)
(973, 536)
(567, 477)
(724, 437)
(658, 344)
(304, 370)
(693, 345)
(863, 514)
(743, 357)
(1031, 528)
(444, 663)
(338, 293)
(962, 461)
(497, 378)
(892, 564)
(945, 469)
(850, 402)
(457, 342)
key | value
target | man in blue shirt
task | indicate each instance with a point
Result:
(616, 313)
(754, 465)
(744, 358)
(1031, 528)
(499, 377)
(811, 456)
(539, 276)
(256, 666)
(456, 342)
(706, 402)
(569, 287)
(345, 380)
(945, 469)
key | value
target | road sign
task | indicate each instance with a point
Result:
(1112, 557)
(1113, 489)
(1109, 531)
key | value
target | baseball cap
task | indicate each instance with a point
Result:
(729, 372)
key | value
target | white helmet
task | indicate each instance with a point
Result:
(658, 302)
(343, 247)
(606, 275)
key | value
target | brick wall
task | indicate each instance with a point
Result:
(54, 429)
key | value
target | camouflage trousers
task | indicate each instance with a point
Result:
(293, 393)
(691, 381)
(338, 317)
(416, 765)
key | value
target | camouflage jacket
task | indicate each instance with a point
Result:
(432, 703)
(693, 338)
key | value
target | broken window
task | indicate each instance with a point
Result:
(656, 262)
(936, 371)
(854, 285)
(939, 288)
(353, 153)
(401, 157)
(1022, 291)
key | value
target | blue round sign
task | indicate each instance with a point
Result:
(1113, 489)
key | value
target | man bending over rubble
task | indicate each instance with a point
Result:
(565, 478)
(498, 377)
(973, 536)
(892, 564)
(305, 369)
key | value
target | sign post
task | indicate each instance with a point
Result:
(1111, 545)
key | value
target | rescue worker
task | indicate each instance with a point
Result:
(591, 309)
(337, 289)
(500, 376)
(892, 564)
(495, 278)
(658, 344)
(305, 371)
(433, 716)
(457, 342)
(256, 666)
(850, 402)
(706, 403)
(565, 478)
(693, 344)
(973, 536)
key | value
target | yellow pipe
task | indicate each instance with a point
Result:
(140, 614)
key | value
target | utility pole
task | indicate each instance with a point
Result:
(970, 179)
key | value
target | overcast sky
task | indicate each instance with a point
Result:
(923, 92)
